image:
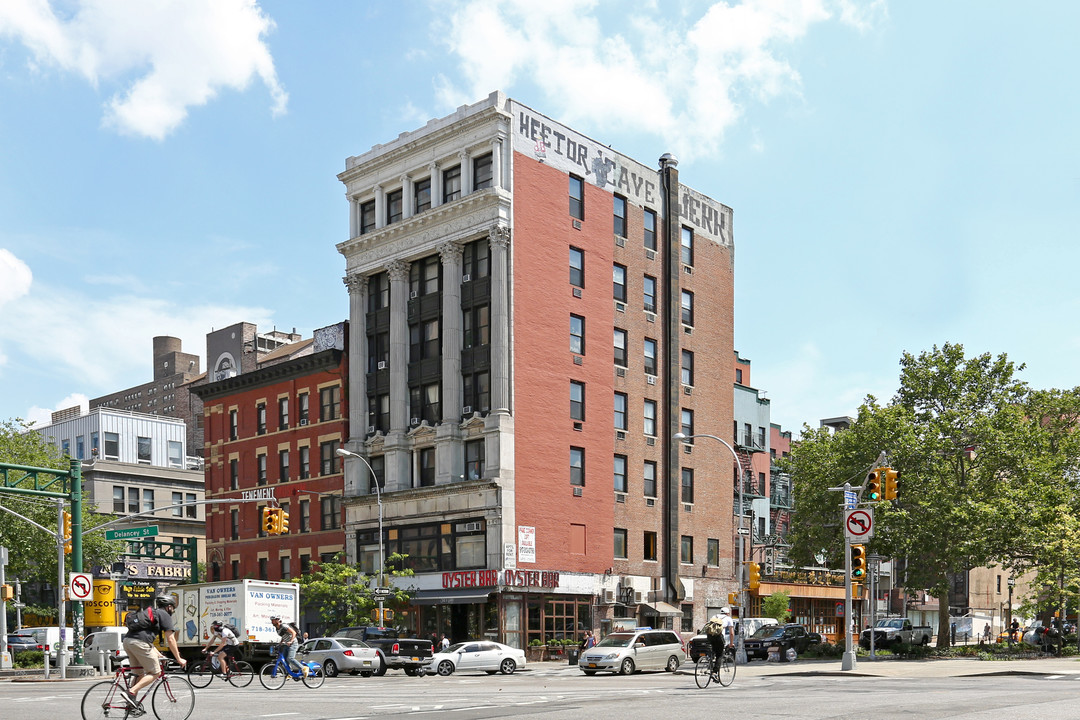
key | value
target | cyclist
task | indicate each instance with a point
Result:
(721, 631)
(288, 643)
(146, 625)
(228, 646)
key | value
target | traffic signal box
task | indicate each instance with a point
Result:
(858, 562)
(873, 485)
(269, 520)
(67, 532)
(753, 575)
(282, 522)
(6, 593)
(890, 478)
(733, 598)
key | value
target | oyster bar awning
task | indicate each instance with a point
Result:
(450, 597)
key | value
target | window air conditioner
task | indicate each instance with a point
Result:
(370, 429)
(650, 254)
(688, 270)
(650, 379)
(381, 365)
(471, 527)
(650, 502)
(466, 278)
(620, 241)
(413, 295)
(619, 498)
(467, 410)
(688, 390)
(637, 597)
(620, 435)
(688, 329)
(620, 371)
(577, 292)
(650, 317)
(303, 421)
(609, 596)
(620, 307)
(577, 492)
(414, 421)
(650, 441)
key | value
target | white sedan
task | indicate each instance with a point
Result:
(485, 655)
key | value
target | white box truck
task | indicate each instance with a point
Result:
(247, 604)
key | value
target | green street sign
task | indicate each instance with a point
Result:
(132, 533)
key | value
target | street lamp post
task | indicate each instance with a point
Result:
(740, 649)
(378, 498)
(1012, 584)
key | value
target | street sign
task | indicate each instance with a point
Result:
(851, 499)
(132, 533)
(859, 524)
(381, 592)
(80, 586)
(744, 531)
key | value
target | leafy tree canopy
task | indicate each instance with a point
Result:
(342, 595)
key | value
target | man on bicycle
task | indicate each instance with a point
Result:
(288, 644)
(228, 646)
(721, 632)
(139, 644)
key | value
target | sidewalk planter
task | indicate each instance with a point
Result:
(535, 653)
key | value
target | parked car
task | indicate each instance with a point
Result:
(699, 644)
(485, 655)
(780, 637)
(395, 652)
(108, 642)
(50, 638)
(639, 649)
(342, 654)
(19, 643)
(889, 632)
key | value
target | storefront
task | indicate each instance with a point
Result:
(817, 602)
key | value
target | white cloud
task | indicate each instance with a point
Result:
(659, 70)
(180, 52)
(15, 277)
(43, 416)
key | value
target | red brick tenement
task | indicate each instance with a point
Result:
(543, 315)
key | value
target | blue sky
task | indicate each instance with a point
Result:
(903, 174)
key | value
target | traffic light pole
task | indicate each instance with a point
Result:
(848, 662)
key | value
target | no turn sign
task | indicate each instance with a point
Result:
(80, 586)
(859, 524)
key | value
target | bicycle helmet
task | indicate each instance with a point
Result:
(216, 625)
(725, 611)
(275, 617)
(163, 600)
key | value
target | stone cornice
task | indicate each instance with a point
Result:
(269, 375)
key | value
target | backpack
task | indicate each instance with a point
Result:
(713, 628)
(234, 630)
(299, 637)
(141, 620)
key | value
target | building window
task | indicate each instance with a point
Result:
(619, 282)
(80, 448)
(176, 454)
(577, 197)
(379, 412)
(687, 246)
(577, 466)
(650, 417)
(367, 217)
(393, 206)
(234, 474)
(482, 172)
(687, 485)
(178, 501)
(305, 463)
(424, 340)
(476, 326)
(260, 418)
(620, 216)
(305, 564)
(577, 267)
(94, 448)
(331, 461)
(649, 551)
(133, 500)
(305, 516)
(378, 464)
(262, 569)
(424, 276)
(620, 411)
(476, 389)
(285, 565)
(118, 499)
(577, 334)
(330, 403)
(713, 547)
(620, 347)
(427, 467)
(577, 400)
(331, 512)
(190, 510)
(687, 427)
(620, 543)
(474, 459)
(422, 195)
(650, 294)
(424, 403)
(112, 446)
(475, 259)
(650, 356)
(302, 410)
(687, 367)
(283, 413)
(687, 308)
(650, 229)
(234, 533)
(686, 550)
(621, 484)
(378, 351)
(761, 438)
(451, 183)
(649, 479)
(260, 464)
(378, 292)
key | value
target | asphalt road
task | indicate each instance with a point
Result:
(559, 692)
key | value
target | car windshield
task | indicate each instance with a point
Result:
(895, 623)
(616, 640)
(351, 642)
(454, 648)
(768, 631)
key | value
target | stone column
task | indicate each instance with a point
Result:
(466, 173)
(354, 219)
(436, 184)
(380, 207)
(355, 472)
(408, 199)
(497, 160)
(449, 454)
(499, 238)
(398, 475)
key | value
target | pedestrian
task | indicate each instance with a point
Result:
(445, 642)
(588, 640)
(986, 633)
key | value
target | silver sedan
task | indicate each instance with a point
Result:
(491, 657)
(341, 654)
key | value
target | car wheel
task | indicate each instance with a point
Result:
(627, 667)
(589, 672)
(507, 666)
(330, 668)
(365, 674)
(382, 667)
(491, 672)
(445, 668)
(673, 664)
(694, 658)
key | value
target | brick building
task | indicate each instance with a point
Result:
(272, 432)
(541, 314)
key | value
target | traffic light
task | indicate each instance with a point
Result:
(733, 598)
(6, 593)
(858, 562)
(282, 522)
(873, 485)
(67, 532)
(270, 520)
(753, 575)
(890, 478)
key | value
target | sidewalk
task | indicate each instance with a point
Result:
(937, 667)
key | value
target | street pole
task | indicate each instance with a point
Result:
(378, 499)
(61, 651)
(744, 592)
(5, 657)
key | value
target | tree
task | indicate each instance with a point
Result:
(341, 594)
(776, 606)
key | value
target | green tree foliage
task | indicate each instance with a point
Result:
(341, 594)
(776, 606)
(32, 553)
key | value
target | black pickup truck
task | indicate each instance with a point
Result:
(395, 653)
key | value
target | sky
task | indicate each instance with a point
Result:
(902, 173)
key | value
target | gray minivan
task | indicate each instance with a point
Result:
(639, 649)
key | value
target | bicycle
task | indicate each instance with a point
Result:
(273, 675)
(239, 673)
(171, 698)
(704, 672)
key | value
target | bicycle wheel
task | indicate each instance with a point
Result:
(315, 678)
(173, 699)
(271, 676)
(200, 674)
(104, 700)
(703, 671)
(242, 674)
(726, 676)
